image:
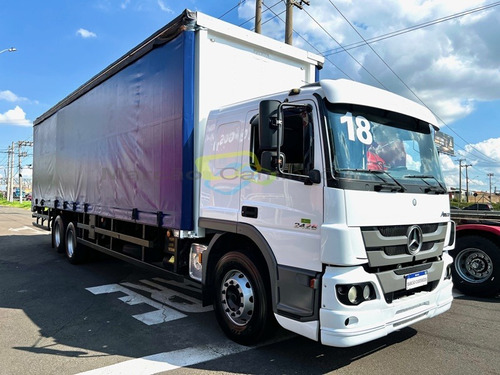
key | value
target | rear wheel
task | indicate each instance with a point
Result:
(74, 252)
(58, 234)
(476, 266)
(242, 303)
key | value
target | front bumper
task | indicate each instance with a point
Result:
(344, 326)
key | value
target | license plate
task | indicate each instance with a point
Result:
(414, 280)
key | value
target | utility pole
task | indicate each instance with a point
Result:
(490, 175)
(467, 182)
(7, 175)
(21, 155)
(289, 17)
(11, 174)
(460, 180)
(258, 16)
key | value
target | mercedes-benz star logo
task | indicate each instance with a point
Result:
(415, 239)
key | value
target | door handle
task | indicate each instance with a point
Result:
(250, 211)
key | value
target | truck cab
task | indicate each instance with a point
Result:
(335, 189)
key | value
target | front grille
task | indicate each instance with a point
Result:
(390, 260)
(402, 230)
(401, 249)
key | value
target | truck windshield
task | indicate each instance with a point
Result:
(370, 144)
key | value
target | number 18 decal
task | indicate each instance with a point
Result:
(362, 131)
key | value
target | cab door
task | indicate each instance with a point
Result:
(285, 207)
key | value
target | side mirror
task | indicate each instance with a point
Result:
(270, 129)
(314, 177)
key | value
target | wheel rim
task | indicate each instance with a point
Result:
(474, 265)
(57, 235)
(237, 297)
(70, 248)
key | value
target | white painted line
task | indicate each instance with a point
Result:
(162, 313)
(26, 228)
(169, 297)
(168, 361)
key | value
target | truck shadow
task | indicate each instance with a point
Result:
(298, 355)
(494, 299)
(45, 299)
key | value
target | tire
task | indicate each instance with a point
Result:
(74, 252)
(58, 234)
(242, 302)
(476, 266)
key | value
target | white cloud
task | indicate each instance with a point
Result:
(85, 33)
(11, 97)
(451, 65)
(163, 7)
(15, 116)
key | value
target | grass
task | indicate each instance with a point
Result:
(26, 204)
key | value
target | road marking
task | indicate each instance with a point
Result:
(162, 313)
(170, 297)
(168, 361)
(26, 228)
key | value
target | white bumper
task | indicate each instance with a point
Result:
(344, 326)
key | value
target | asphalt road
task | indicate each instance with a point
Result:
(108, 317)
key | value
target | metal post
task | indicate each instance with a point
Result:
(20, 175)
(258, 16)
(11, 174)
(490, 175)
(289, 17)
(289, 22)
(8, 174)
(467, 182)
(460, 180)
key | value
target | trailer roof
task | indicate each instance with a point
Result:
(187, 20)
(184, 21)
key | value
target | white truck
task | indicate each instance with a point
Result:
(217, 157)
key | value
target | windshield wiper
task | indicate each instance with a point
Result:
(386, 185)
(430, 188)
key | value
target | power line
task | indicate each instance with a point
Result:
(230, 10)
(409, 29)
(335, 40)
(402, 81)
(267, 8)
(305, 40)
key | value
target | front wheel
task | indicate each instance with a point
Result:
(242, 302)
(476, 266)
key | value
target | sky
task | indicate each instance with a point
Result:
(441, 53)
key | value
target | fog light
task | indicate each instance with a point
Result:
(352, 295)
(355, 294)
(366, 292)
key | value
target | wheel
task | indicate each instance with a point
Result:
(74, 252)
(476, 266)
(242, 302)
(58, 233)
